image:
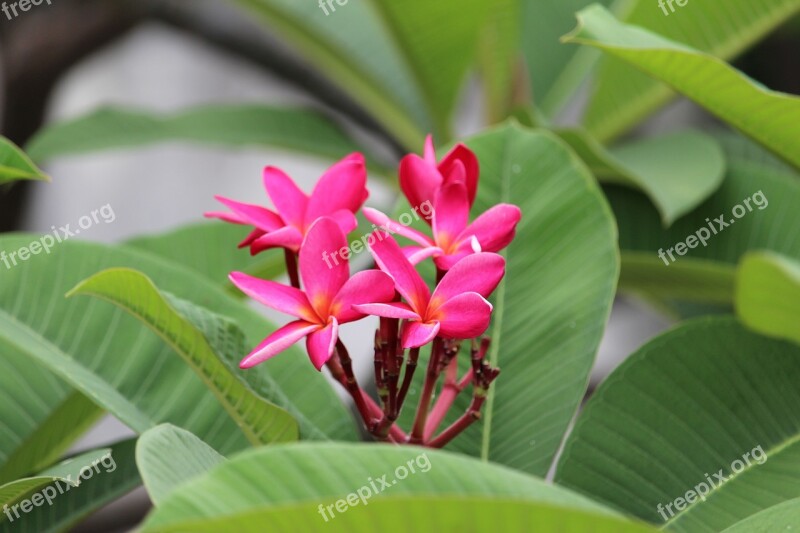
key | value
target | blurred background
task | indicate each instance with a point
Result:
(67, 59)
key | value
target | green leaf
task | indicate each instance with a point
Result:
(677, 171)
(208, 343)
(236, 126)
(402, 62)
(72, 506)
(169, 457)
(497, 56)
(767, 116)
(15, 165)
(624, 96)
(216, 258)
(271, 480)
(768, 295)
(82, 338)
(685, 407)
(781, 517)
(642, 234)
(564, 259)
(556, 71)
(35, 440)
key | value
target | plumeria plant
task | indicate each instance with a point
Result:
(503, 250)
(324, 296)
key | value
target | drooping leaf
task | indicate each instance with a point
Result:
(624, 96)
(209, 344)
(237, 126)
(169, 457)
(773, 193)
(768, 295)
(306, 477)
(551, 309)
(677, 171)
(15, 165)
(74, 505)
(131, 364)
(706, 398)
(766, 116)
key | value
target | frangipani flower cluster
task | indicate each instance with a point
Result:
(324, 296)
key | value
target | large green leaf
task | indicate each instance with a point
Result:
(768, 295)
(676, 171)
(130, 365)
(403, 62)
(208, 248)
(498, 59)
(92, 494)
(624, 96)
(227, 125)
(15, 165)
(285, 477)
(208, 343)
(767, 116)
(781, 517)
(775, 228)
(685, 407)
(169, 457)
(551, 309)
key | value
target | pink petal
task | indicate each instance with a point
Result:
(480, 273)
(445, 262)
(466, 316)
(288, 237)
(451, 214)
(324, 268)
(251, 238)
(321, 343)
(255, 215)
(417, 255)
(390, 310)
(345, 219)
(279, 341)
(343, 186)
(289, 200)
(496, 228)
(430, 150)
(275, 296)
(471, 166)
(409, 284)
(419, 180)
(368, 287)
(388, 225)
(227, 217)
(416, 334)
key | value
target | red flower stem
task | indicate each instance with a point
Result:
(408, 377)
(444, 402)
(472, 415)
(369, 410)
(432, 375)
(291, 267)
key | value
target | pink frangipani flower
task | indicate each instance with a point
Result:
(327, 302)
(422, 177)
(454, 237)
(457, 308)
(339, 194)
